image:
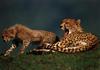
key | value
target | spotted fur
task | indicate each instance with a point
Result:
(75, 39)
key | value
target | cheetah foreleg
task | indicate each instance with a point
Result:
(10, 50)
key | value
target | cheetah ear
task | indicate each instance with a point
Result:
(78, 21)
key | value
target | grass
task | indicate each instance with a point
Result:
(89, 60)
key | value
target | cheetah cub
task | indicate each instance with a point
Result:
(20, 34)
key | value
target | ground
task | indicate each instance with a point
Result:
(89, 60)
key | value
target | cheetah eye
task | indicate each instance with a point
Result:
(66, 22)
(61, 26)
(11, 36)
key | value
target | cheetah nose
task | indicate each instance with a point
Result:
(4, 41)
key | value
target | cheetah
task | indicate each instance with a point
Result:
(20, 34)
(75, 39)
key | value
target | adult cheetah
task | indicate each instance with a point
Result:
(75, 39)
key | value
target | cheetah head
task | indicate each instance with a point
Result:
(8, 34)
(71, 25)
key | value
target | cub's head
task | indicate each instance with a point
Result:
(71, 25)
(8, 34)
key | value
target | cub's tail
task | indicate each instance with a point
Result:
(57, 39)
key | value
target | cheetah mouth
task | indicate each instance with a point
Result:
(66, 30)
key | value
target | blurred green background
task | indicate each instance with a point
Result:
(46, 15)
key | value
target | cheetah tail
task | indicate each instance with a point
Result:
(57, 39)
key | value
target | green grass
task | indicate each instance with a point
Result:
(89, 60)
